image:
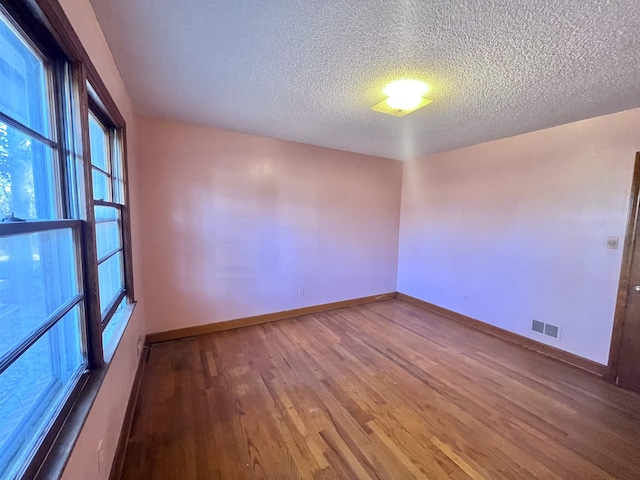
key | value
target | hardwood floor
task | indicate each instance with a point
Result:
(383, 391)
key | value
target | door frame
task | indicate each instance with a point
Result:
(625, 275)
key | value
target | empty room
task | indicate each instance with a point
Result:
(319, 239)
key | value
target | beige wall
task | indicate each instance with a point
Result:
(516, 229)
(235, 224)
(105, 419)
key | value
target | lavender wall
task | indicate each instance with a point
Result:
(235, 224)
(516, 229)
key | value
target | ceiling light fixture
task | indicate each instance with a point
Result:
(403, 97)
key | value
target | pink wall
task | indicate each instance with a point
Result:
(516, 229)
(105, 419)
(235, 224)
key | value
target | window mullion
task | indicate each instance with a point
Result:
(110, 153)
(69, 145)
(105, 203)
(12, 356)
(19, 228)
(101, 171)
(60, 75)
(112, 307)
(109, 255)
(26, 130)
(90, 254)
(126, 218)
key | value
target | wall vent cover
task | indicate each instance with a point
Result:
(551, 330)
(546, 329)
(537, 326)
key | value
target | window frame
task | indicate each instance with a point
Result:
(47, 28)
(56, 422)
(116, 146)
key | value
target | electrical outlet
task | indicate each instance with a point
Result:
(100, 452)
(301, 292)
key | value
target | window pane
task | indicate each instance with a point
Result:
(37, 276)
(99, 144)
(112, 331)
(118, 190)
(118, 174)
(33, 389)
(110, 279)
(24, 92)
(27, 176)
(101, 189)
(108, 234)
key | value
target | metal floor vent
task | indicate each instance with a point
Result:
(545, 328)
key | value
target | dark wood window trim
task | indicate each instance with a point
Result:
(625, 274)
(45, 22)
(57, 27)
(50, 464)
(115, 134)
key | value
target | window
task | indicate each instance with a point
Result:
(64, 231)
(108, 195)
(27, 138)
(43, 353)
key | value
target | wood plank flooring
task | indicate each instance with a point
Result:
(382, 391)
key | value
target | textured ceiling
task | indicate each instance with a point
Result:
(309, 70)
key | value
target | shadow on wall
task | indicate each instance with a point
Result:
(515, 230)
(241, 223)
